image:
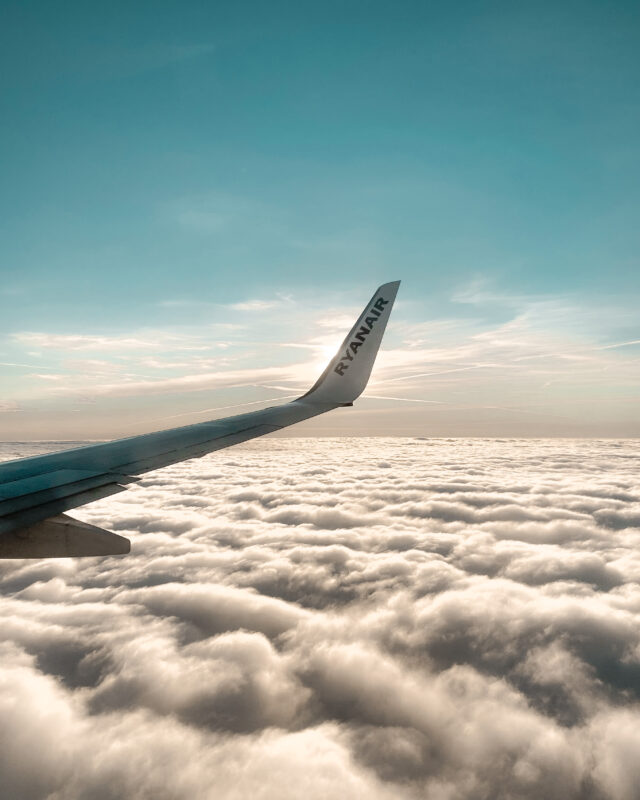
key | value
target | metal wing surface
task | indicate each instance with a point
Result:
(35, 492)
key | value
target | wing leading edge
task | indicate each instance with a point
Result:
(35, 492)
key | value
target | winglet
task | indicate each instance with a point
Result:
(348, 372)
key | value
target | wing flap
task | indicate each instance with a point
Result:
(62, 537)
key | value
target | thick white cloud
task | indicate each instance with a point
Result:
(385, 618)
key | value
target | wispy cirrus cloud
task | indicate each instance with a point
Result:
(123, 61)
(184, 383)
(253, 305)
(96, 342)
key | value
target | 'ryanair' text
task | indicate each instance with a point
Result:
(370, 320)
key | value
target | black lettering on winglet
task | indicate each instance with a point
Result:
(380, 303)
(340, 368)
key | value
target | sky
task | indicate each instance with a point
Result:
(369, 618)
(197, 199)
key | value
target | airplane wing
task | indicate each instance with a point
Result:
(35, 492)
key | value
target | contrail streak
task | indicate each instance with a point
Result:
(440, 372)
(221, 408)
(403, 399)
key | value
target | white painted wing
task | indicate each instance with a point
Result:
(35, 492)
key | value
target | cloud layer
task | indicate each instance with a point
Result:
(386, 618)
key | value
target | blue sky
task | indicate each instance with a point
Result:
(188, 190)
